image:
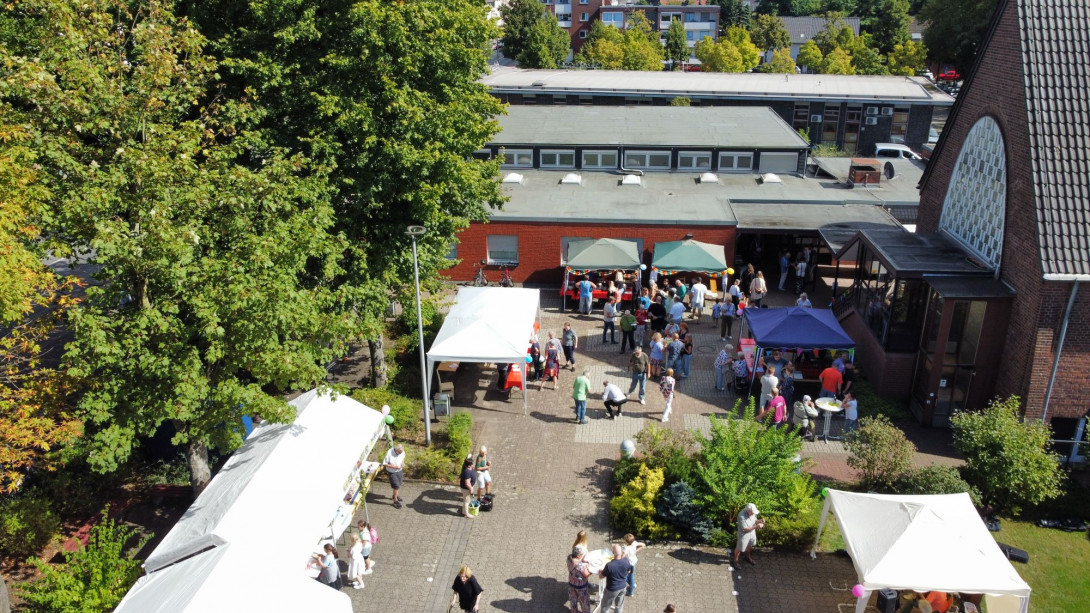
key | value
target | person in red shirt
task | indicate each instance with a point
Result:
(831, 382)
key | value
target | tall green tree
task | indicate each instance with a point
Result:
(810, 57)
(838, 61)
(836, 33)
(908, 59)
(604, 47)
(867, 60)
(209, 299)
(781, 62)
(546, 47)
(519, 17)
(677, 47)
(890, 27)
(719, 56)
(739, 37)
(769, 33)
(955, 30)
(733, 13)
(642, 50)
(386, 96)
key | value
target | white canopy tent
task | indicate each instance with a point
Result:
(924, 543)
(270, 503)
(487, 324)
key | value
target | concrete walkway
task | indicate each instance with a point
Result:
(552, 478)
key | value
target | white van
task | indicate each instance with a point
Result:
(893, 150)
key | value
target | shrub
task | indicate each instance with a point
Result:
(744, 462)
(408, 412)
(792, 532)
(433, 465)
(870, 403)
(669, 450)
(634, 509)
(459, 436)
(624, 471)
(27, 524)
(93, 578)
(678, 506)
(935, 480)
(880, 451)
(1007, 459)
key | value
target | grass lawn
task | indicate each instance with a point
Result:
(1057, 569)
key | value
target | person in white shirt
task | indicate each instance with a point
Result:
(608, 315)
(613, 398)
(631, 547)
(851, 412)
(768, 382)
(677, 312)
(698, 291)
(394, 463)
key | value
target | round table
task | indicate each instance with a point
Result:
(596, 560)
(828, 406)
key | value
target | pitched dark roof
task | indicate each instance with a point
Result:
(803, 29)
(1056, 58)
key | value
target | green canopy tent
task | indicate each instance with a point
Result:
(689, 256)
(602, 254)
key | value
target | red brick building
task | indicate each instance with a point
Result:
(577, 16)
(1009, 187)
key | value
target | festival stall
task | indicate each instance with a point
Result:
(923, 543)
(803, 331)
(602, 256)
(286, 490)
(678, 257)
(488, 325)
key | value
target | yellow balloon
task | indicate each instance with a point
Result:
(730, 271)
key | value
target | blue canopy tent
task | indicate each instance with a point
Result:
(796, 328)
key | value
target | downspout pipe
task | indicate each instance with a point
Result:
(1059, 349)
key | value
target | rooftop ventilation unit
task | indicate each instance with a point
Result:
(709, 177)
(572, 178)
(513, 177)
(631, 180)
(770, 177)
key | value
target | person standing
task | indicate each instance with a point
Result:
(465, 481)
(777, 407)
(394, 462)
(639, 366)
(552, 364)
(536, 360)
(657, 348)
(723, 366)
(768, 381)
(848, 374)
(804, 301)
(758, 289)
(570, 343)
(673, 352)
(831, 382)
(776, 363)
(726, 318)
(677, 312)
(785, 267)
(800, 273)
(330, 573)
(717, 313)
(579, 394)
(787, 383)
(608, 327)
(735, 292)
(641, 325)
(698, 291)
(483, 467)
(586, 296)
(686, 353)
(747, 279)
(851, 412)
(666, 386)
(657, 312)
(628, 330)
(467, 592)
(612, 398)
(645, 299)
(748, 525)
(368, 535)
(631, 547)
(356, 563)
(578, 586)
(616, 575)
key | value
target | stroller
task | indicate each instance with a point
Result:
(741, 384)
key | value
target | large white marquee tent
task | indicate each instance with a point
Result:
(924, 543)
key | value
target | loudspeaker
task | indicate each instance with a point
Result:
(887, 601)
(1014, 554)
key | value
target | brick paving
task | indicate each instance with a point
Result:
(552, 478)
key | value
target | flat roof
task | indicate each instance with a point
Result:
(961, 286)
(742, 86)
(657, 126)
(789, 217)
(662, 199)
(901, 190)
(912, 253)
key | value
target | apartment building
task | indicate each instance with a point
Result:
(577, 16)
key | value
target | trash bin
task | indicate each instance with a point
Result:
(440, 405)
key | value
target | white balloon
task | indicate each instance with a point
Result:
(385, 409)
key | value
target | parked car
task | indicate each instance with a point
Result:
(894, 150)
(950, 75)
(928, 74)
(933, 135)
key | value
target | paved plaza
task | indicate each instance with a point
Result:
(552, 478)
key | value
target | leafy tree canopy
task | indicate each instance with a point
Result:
(955, 30)
(781, 62)
(890, 27)
(519, 17)
(810, 57)
(739, 37)
(719, 56)
(769, 33)
(908, 59)
(838, 61)
(677, 47)
(546, 47)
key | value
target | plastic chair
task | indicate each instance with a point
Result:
(445, 387)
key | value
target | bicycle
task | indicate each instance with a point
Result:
(505, 280)
(480, 280)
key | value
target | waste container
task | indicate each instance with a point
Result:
(440, 405)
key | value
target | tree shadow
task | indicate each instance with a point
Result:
(691, 555)
(437, 501)
(540, 589)
(822, 583)
(599, 476)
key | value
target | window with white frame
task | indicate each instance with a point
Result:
(599, 159)
(582, 34)
(736, 161)
(584, 16)
(503, 249)
(976, 199)
(518, 158)
(613, 18)
(649, 160)
(553, 158)
(694, 160)
(563, 16)
(452, 252)
(584, 1)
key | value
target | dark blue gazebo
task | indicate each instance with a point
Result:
(798, 328)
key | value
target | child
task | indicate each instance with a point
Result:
(717, 312)
(631, 547)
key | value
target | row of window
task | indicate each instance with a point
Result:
(736, 161)
(503, 249)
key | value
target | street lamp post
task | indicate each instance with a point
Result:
(413, 232)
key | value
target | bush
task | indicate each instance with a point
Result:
(669, 450)
(408, 412)
(935, 480)
(432, 464)
(794, 532)
(870, 403)
(743, 462)
(880, 451)
(93, 578)
(624, 471)
(634, 509)
(1005, 459)
(27, 524)
(459, 436)
(678, 506)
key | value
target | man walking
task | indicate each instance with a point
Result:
(639, 366)
(579, 394)
(698, 291)
(570, 344)
(748, 524)
(628, 330)
(785, 267)
(616, 575)
(613, 398)
(586, 296)
(608, 314)
(394, 462)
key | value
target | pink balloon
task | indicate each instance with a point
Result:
(857, 590)
(385, 409)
